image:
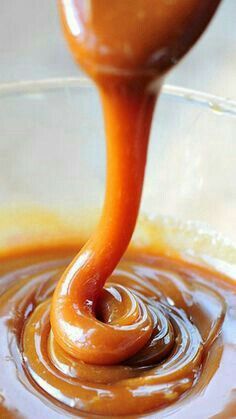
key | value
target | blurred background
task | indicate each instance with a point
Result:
(32, 47)
(195, 180)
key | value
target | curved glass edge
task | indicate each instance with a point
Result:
(30, 228)
(214, 103)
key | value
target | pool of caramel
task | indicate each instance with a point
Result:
(187, 369)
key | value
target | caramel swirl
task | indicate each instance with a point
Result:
(124, 62)
(180, 311)
(118, 341)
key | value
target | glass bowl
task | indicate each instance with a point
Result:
(53, 169)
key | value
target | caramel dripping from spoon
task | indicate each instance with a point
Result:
(123, 79)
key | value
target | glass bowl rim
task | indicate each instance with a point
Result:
(217, 104)
(217, 245)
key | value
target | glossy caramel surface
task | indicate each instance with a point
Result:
(133, 38)
(99, 336)
(188, 362)
(128, 104)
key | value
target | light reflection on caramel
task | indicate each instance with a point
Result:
(125, 56)
(193, 302)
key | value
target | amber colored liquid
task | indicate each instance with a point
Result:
(191, 351)
(98, 33)
(136, 337)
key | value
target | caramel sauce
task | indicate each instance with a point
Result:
(108, 334)
(191, 351)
